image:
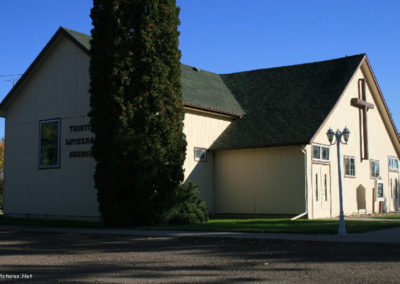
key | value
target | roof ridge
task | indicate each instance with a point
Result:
(300, 64)
(73, 33)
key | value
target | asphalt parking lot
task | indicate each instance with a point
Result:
(89, 258)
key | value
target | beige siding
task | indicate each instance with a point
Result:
(59, 89)
(249, 181)
(201, 131)
(380, 147)
(260, 181)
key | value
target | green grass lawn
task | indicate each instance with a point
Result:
(281, 225)
(394, 216)
(253, 225)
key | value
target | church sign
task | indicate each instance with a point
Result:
(84, 129)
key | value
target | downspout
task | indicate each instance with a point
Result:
(303, 150)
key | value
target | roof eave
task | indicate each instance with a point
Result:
(288, 144)
(212, 110)
(384, 103)
(74, 40)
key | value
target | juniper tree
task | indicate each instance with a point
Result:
(136, 109)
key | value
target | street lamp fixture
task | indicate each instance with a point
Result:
(339, 134)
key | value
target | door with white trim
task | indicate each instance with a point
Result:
(321, 190)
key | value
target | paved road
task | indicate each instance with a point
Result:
(387, 236)
(51, 257)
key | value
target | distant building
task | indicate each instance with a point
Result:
(256, 140)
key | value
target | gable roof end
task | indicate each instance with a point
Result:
(60, 31)
(393, 133)
(202, 90)
(387, 118)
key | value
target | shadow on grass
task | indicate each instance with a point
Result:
(5, 220)
(256, 225)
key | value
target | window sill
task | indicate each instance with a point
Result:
(321, 162)
(346, 176)
(49, 168)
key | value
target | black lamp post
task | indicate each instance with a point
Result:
(345, 133)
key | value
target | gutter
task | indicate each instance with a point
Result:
(212, 110)
(303, 150)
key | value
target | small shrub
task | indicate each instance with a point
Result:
(190, 208)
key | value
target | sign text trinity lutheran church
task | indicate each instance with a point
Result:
(82, 130)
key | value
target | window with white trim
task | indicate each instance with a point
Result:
(393, 163)
(374, 169)
(349, 166)
(49, 139)
(320, 152)
(200, 154)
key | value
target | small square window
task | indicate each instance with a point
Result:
(200, 154)
(350, 166)
(49, 152)
(374, 169)
(325, 153)
(320, 152)
(316, 152)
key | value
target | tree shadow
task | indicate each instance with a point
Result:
(76, 257)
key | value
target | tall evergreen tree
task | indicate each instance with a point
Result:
(137, 110)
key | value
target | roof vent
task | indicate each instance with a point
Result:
(196, 69)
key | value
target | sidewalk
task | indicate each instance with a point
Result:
(387, 236)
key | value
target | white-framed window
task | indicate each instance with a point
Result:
(320, 152)
(200, 154)
(393, 163)
(49, 143)
(349, 166)
(374, 169)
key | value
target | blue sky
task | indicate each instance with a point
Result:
(226, 36)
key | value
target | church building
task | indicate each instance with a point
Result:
(256, 140)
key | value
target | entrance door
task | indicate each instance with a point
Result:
(321, 190)
(394, 191)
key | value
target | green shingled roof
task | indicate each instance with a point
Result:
(281, 106)
(286, 105)
(82, 38)
(200, 88)
(208, 90)
(277, 106)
